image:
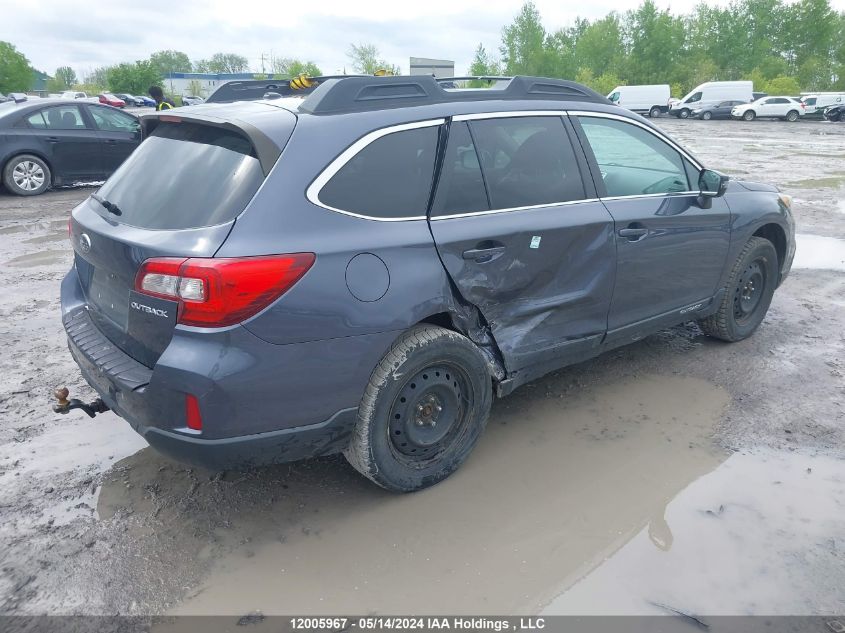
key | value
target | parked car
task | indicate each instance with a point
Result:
(51, 143)
(815, 105)
(711, 93)
(380, 309)
(111, 100)
(720, 110)
(145, 101)
(651, 100)
(758, 95)
(74, 94)
(129, 100)
(786, 108)
(186, 101)
(835, 113)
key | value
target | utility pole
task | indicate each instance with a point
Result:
(262, 63)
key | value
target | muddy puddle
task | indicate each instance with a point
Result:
(42, 258)
(756, 536)
(819, 252)
(555, 482)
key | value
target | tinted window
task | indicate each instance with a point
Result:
(810, 101)
(461, 186)
(185, 176)
(111, 120)
(527, 161)
(58, 118)
(390, 178)
(633, 161)
(694, 98)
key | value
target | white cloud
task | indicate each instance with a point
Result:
(86, 34)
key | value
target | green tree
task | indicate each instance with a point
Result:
(290, 67)
(782, 85)
(223, 63)
(366, 59)
(656, 45)
(65, 76)
(523, 46)
(600, 46)
(15, 71)
(482, 66)
(132, 78)
(170, 61)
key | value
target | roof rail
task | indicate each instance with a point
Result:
(252, 89)
(359, 94)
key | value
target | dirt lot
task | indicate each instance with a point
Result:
(678, 473)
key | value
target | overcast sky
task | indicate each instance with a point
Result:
(85, 34)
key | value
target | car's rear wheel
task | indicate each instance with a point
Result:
(26, 175)
(706, 115)
(792, 116)
(748, 295)
(424, 408)
(750, 115)
(684, 114)
(654, 112)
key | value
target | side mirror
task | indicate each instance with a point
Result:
(712, 184)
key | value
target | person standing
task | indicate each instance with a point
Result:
(162, 103)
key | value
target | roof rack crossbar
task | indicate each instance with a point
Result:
(358, 94)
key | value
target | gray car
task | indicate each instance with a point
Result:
(362, 271)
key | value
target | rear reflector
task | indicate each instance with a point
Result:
(193, 418)
(216, 292)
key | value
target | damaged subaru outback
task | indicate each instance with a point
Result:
(363, 270)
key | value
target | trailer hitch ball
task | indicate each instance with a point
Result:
(63, 405)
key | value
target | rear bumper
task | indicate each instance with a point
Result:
(260, 403)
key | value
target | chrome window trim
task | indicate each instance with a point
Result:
(507, 115)
(313, 191)
(452, 216)
(616, 117)
(667, 194)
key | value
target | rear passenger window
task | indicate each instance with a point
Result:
(527, 161)
(461, 186)
(390, 178)
(60, 118)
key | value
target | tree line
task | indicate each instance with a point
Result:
(16, 73)
(782, 47)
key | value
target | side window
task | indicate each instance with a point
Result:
(390, 178)
(632, 160)
(527, 161)
(37, 120)
(461, 186)
(110, 120)
(694, 98)
(64, 118)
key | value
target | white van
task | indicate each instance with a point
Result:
(712, 93)
(817, 103)
(651, 99)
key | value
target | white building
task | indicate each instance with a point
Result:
(436, 67)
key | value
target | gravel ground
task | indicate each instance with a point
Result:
(621, 457)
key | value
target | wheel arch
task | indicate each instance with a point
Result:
(777, 236)
(20, 152)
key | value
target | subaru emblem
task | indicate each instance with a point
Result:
(85, 243)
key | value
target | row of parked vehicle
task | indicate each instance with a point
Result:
(728, 100)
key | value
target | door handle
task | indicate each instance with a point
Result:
(52, 139)
(484, 254)
(634, 234)
(111, 141)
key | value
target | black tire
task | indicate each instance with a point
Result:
(749, 115)
(430, 375)
(792, 116)
(683, 114)
(654, 112)
(706, 115)
(26, 175)
(749, 293)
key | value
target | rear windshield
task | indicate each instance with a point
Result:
(184, 176)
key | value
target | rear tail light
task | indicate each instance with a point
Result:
(216, 292)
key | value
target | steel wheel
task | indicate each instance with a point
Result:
(748, 291)
(28, 175)
(429, 413)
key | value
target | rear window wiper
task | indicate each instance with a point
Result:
(111, 207)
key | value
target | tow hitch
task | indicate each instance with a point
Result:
(64, 405)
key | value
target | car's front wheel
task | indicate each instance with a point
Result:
(423, 410)
(684, 114)
(26, 175)
(749, 116)
(706, 116)
(748, 294)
